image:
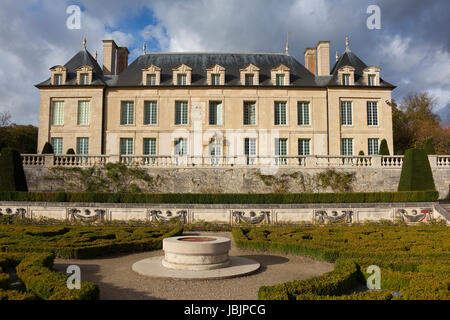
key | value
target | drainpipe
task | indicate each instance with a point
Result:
(328, 128)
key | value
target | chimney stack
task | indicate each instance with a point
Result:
(323, 58)
(310, 60)
(122, 59)
(109, 57)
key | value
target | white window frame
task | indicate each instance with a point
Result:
(152, 78)
(346, 79)
(249, 76)
(181, 107)
(150, 113)
(249, 116)
(125, 145)
(180, 147)
(280, 110)
(58, 144)
(250, 150)
(281, 149)
(215, 113)
(182, 79)
(129, 113)
(84, 115)
(215, 79)
(346, 143)
(371, 148)
(346, 119)
(57, 79)
(83, 145)
(301, 107)
(280, 79)
(58, 113)
(149, 146)
(372, 119)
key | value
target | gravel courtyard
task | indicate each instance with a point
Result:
(117, 281)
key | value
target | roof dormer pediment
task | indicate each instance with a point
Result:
(182, 68)
(215, 69)
(281, 67)
(85, 68)
(250, 68)
(151, 68)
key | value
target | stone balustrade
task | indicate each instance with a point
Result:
(30, 161)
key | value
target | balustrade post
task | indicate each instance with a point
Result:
(113, 158)
(376, 161)
(49, 160)
(433, 160)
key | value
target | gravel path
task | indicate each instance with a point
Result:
(117, 281)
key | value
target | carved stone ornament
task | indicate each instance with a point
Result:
(86, 215)
(19, 213)
(168, 216)
(414, 216)
(251, 217)
(322, 216)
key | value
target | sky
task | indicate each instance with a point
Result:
(412, 46)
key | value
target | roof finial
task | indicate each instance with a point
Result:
(337, 56)
(144, 48)
(347, 44)
(84, 42)
(287, 43)
(96, 55)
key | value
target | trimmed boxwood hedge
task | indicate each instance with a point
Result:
(413, 259)
(12, 176)
(279, 198)
(416, 172)
(34, 270)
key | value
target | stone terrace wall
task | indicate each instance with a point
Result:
(246, 180)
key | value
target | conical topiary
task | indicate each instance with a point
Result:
(48, 149)
(361, 153)
(384, 150)
(428, 146)
(12, 176)
(70, 151)
(416, 172)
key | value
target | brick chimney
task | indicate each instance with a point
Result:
(122, 59)
(310, 60)
(323, 58)
(109, 57)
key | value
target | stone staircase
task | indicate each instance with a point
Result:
(444, 209)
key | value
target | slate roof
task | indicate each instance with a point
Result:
(199, 62)
(351, 59)
(82, 58)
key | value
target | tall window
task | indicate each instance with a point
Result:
(346, 79)
(250, 150)
(151, 79)
(372, 79)
(249, 113)
(280, 113)
(249, 79)
(181, 80)
(83, 113)
(303, 113)
(347, 147)
(346, 113)
(126, 146)
(150, 113)
(215, 113)
(181, 146)
(215, 151)
(372, 113)
(82, 145)
(57, 79)
(181, 113)
(280, 150)
(57, 144)
(127, 113)
(280, 79)
(373, 146)
(215, 79)
(150, 146)
(58, 113)
(304, 147)
(84, 79)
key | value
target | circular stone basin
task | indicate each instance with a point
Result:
(196, 253)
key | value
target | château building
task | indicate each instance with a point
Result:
(215, 104)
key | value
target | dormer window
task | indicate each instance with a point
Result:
(181, 80)
(346, 76)
(84, 79)
(371, 76)
(151, 79)
(346, 79)
(280, 79)
(182, 75)
(215, 75)
(280, 75)
(250, 75)
(151, 75)
(58, 75)
(215, 79)
(249, 79)
(57, 79)
(84, 75)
